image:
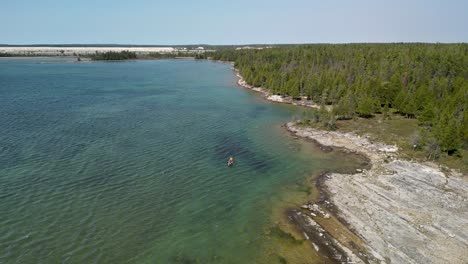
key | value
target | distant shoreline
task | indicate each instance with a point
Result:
(83, 51)
(88, 60)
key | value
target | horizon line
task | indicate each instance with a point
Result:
(200, 44)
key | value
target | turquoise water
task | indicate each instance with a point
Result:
(126, 162)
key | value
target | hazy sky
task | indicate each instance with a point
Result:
(232, 22)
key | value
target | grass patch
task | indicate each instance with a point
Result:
(398, 130)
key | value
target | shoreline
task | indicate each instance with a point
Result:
(274, 97)
(87, 59)
(403, 211)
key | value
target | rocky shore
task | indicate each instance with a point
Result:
(275, 97)
(403, 211)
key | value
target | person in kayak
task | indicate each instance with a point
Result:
(230, 161)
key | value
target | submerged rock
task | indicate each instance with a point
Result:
(323, 243)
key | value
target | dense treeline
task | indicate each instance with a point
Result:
(424, 81)
(156, 55)
(6, 54)
(3, 54)
(113, 55)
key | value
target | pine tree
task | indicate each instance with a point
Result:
(366, 106)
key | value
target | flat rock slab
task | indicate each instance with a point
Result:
(415, 215)
(405, 212)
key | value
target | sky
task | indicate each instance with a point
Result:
(236, 22)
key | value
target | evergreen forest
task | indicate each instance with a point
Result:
(427, 82)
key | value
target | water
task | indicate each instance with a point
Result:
(126, 162)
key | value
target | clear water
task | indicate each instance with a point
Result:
(126, 162)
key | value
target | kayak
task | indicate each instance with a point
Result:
(230, 161)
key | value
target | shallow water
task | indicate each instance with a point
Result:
(126, 162)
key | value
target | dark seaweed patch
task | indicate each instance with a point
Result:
(256, 111)
(180, 259)
(229, 145)
(282, 260)
(236, 146)
(278, 232)
(259, 164)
